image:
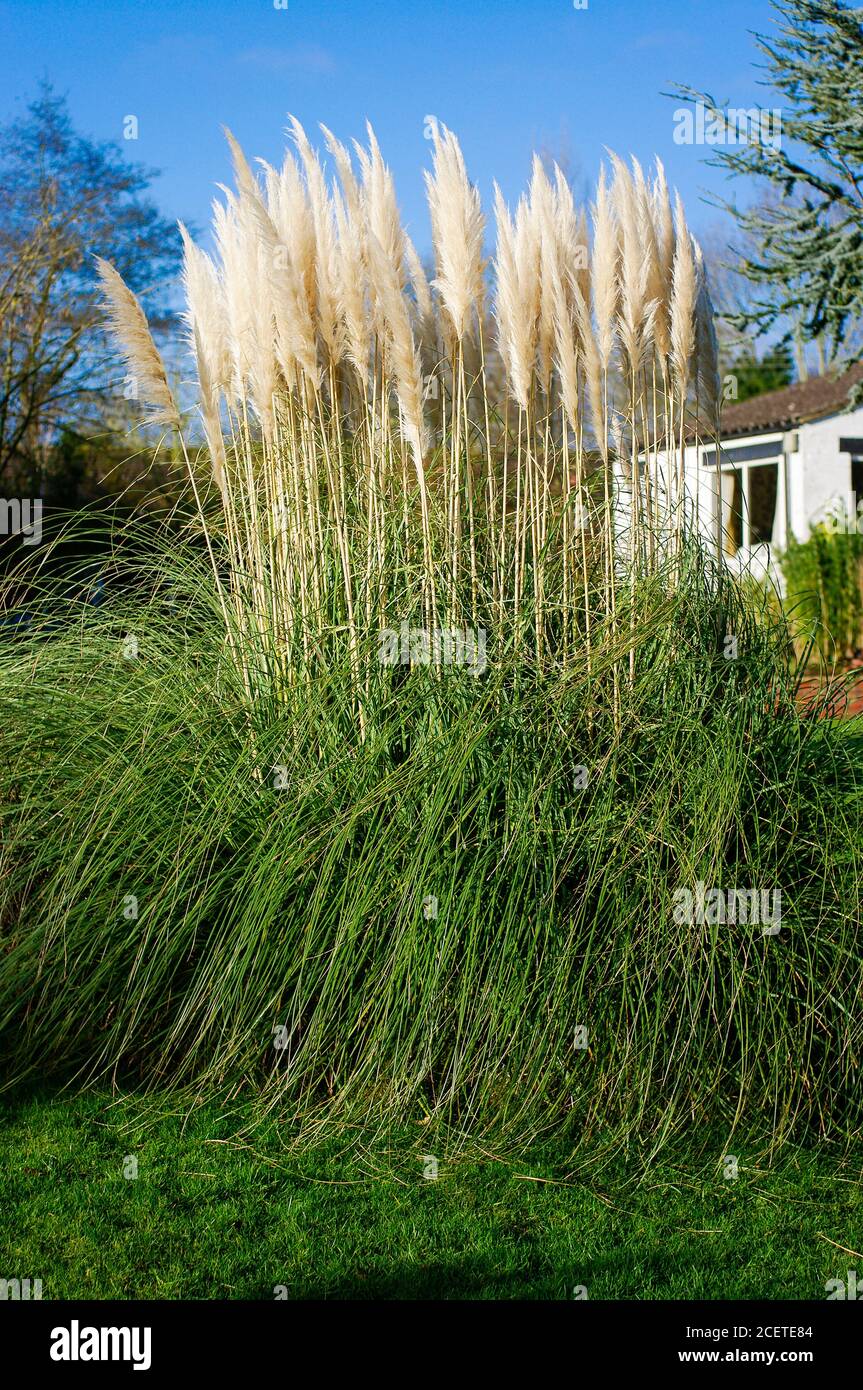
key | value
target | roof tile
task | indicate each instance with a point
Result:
(791, 405)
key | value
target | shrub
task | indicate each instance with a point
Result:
(379, 795)
(824, 596)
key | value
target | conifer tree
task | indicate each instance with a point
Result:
(808, 229)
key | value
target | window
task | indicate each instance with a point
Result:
(763, 484)
(749, 494)
(732, 510)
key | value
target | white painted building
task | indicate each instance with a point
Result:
(787, 460)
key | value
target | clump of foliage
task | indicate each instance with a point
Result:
(824, 589)
(804, 238)
(756, 375)
(63, 200)
(260, 834)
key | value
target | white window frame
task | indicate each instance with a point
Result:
(743, 468)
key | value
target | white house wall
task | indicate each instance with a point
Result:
(818, 474)
(825, 474)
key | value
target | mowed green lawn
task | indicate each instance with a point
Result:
(214, 1214)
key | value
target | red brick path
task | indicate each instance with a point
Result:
(846, 693)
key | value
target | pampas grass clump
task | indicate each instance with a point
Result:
(373, 793)
(384, 447)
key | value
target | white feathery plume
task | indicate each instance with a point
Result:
(236, 288)
(517, 309)
(206, 317)
(527, 256)
(402, 346)
(211, 417)
(383, 223)
(458, 228)
(264, 373)
(647, 233)
(286, 229)
(381, 205)
(206, 311)
(426, 322)
(352, 286)
(246, 239)
(683, 300)
(247, 184)
(347, 178)
(592, 367)
(326, 269)
(571, 240)
(707, 346)
(664, 224)
(291, 215)
(604, 270)
(632, 309)
(128, 323)
(545, 233)
(506, 281)
(582, 270)
(566, 351)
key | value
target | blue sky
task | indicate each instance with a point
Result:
(507, 76)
